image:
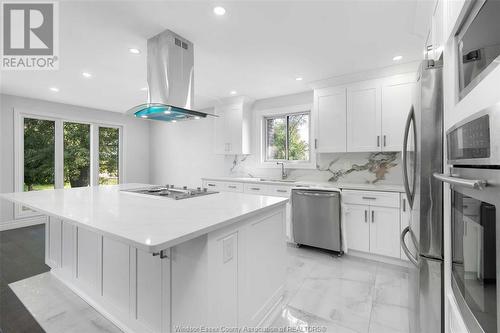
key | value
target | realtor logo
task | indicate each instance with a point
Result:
(29, 36)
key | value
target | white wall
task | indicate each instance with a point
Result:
(183, 152)
(135, 142)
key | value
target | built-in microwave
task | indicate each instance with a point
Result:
(473, 150)
(478, 41)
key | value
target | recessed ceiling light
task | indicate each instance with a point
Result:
(134, 51)
(397, 58)
(167, 112)
(86, 75)
(219, 10)
(174, 121)
(298, 79)
(196, 117)
(54, 89)
(233, 92)
(144, 89)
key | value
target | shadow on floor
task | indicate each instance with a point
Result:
(22, 253)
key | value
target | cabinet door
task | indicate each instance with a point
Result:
(405, 221)
(396, 103)
(357, 227)
(331, 110)
(363, 118)
(384, 231)
(233, 125)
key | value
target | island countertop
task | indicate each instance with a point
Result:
(148, 222)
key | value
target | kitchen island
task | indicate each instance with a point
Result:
(155, 264)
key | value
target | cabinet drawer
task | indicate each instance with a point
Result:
(255, 188)
(214, 185)
(372, 198)
(280, 191)
(233, 187)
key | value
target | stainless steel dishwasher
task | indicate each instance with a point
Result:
(316, 218)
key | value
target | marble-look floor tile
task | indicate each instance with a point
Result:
(391, 286)
(344, 302)
(57, 309)
(389, 319)
(295, 320)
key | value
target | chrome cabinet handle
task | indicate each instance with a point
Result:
(255, 188)
(385, 140)
(281, 191)
(474, 184)
(315, 143)
(369, 198)
(373, 216)
(404, 205)
(407, 252)
(378, 140)
(211, 185)
(231, 186)
(366, 216)
(161, 254)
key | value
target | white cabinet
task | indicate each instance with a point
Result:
(376, 113)
(405, 220)
(232, 128)
(384, 231)
(358, 228)
(363, 117)
(396, 103)
(372, 222)
(330, 105)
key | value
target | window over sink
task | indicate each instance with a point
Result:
(287, 137)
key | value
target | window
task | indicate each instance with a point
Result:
(109, 147)
(76, 154)
(287, 137)
(38, 154)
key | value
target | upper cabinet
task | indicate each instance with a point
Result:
(396, 102)
(331, 111)
(363, 117)
(367, 116)
(232, 127)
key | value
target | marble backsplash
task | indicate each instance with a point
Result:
(358, 168)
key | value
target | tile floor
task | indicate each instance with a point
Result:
(344, 295)
(324, 293)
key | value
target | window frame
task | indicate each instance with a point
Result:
(260, 117)
(287, 140)
(20, 115)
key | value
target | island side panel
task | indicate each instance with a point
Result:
(247, 267)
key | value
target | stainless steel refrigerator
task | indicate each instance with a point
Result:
(422, 240)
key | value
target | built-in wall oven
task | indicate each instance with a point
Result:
(478, 41)
(474, 178)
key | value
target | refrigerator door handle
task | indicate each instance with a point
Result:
(409, 120)
(407, 252)
(475, 184)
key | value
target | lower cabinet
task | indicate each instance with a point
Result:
(371, 228)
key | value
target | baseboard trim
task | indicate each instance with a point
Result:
(376, 257)
(21, 223)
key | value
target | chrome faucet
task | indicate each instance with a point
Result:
(283, 171)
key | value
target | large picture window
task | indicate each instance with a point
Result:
(55, 153)
(287, 137)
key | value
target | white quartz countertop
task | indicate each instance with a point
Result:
(148, 222)
(345, 186)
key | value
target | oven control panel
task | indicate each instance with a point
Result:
(470, 140)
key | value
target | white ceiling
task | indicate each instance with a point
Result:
(257, 48)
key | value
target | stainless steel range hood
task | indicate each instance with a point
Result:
(170, 80)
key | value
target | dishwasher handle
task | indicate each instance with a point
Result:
(317, 194)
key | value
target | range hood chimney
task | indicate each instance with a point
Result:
(170, 62)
